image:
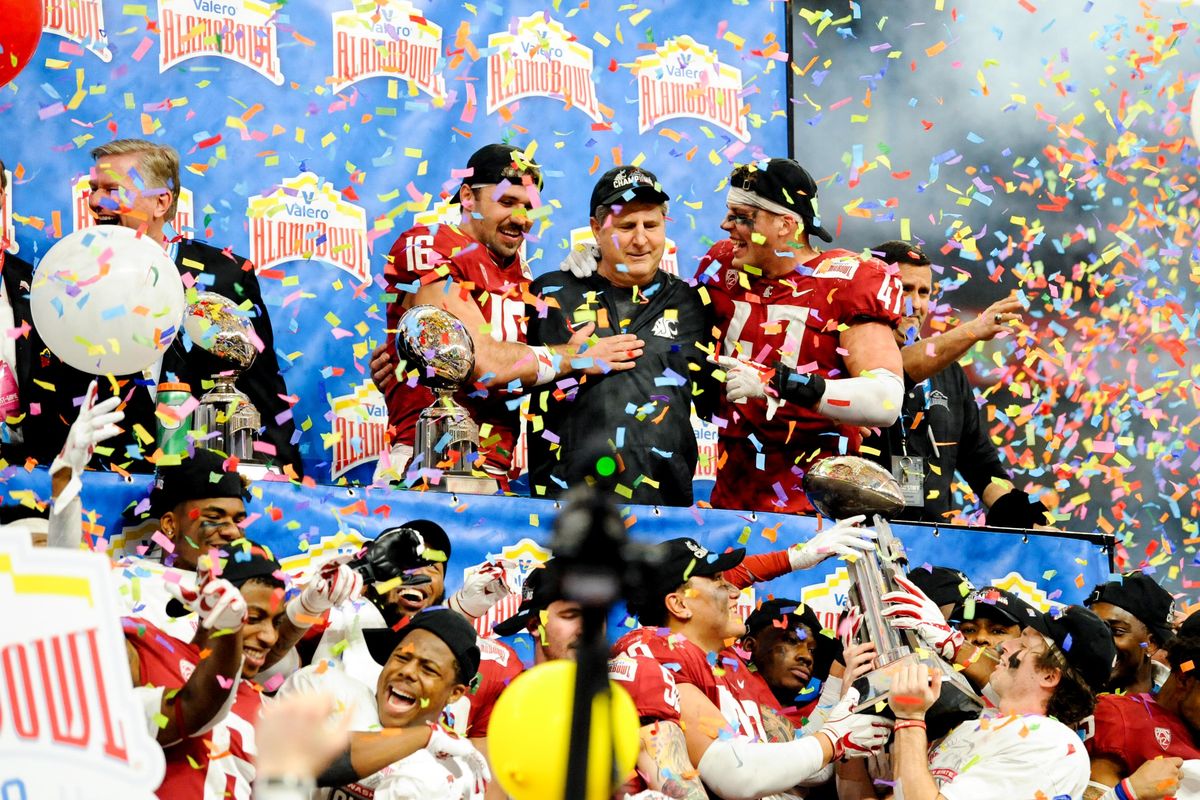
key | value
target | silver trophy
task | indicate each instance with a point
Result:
(215, 324)
(845, 486)
(440, 346)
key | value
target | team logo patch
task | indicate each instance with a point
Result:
(697, 550)
(1163, 735)
(665, 328)
(842, 267)
(622, 669)
(937, 398)
(731, 278)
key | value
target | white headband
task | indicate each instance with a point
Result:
(742, 197)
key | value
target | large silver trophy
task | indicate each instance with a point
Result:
(215, 324)
(845, 486)
(441, 348)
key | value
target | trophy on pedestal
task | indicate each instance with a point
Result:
(845, 486)
(214, 323)
(440, 346)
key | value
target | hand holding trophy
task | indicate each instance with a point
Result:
(844, 486)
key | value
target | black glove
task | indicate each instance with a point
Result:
(803, 390)
(1017, 510)
(396, 551)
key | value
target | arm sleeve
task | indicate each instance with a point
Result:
(738, 769)
(759, 568)
(978, 460)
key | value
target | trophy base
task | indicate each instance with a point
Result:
(461, 484)
(957, 699)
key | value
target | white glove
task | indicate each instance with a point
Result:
(581, 261)
(854, 735)
(218, 602)
(444, 745)
(841, 539)
(334, 584)
(910, 610)
(483, 589)
(747, 380)
(95, 423)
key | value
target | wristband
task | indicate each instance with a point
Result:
(544, 358)
(283, 787)
(1124, 790)
(901, 724)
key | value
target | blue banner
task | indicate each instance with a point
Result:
(305, 525)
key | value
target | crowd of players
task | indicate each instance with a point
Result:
(384, 688)
(795, 354)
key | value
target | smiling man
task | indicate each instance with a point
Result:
(135, 183)
(631, 430)
(1027, 746)
(475, 271)
(726, 728)
(806, 340)
(197, 706)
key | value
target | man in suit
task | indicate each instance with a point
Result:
(135, 183)
(16, 275)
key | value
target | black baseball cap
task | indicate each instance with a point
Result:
(239, 565)
(785, 182)
(1086, 642)
(1141, 596)
(626, 184)
(201, 476)
(674, 562)
(540, 589)
(942, 585)
(496, 163)
(449, 626)
(991, 602)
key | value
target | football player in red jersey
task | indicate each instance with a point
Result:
(733, 732)
(475, 271)
(806, 340)
(199, 698)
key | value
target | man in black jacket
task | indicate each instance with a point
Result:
(135, 183)
(939, 431)
(629, 430)
(15, 352)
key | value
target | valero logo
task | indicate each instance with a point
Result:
(387, 39)
(683, 78)
(239, 30)
(540, 58)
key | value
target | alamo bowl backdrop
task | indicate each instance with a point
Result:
(312, 132)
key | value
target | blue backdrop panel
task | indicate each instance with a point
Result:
(281, 101)
(293, 521)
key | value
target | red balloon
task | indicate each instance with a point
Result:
(19, 36)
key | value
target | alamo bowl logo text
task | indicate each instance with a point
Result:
(238, 30)
(306, 218)
(81, 214)
(80, 21)
(540, 58)
(389, 39)
(359, 423)
(683, 78)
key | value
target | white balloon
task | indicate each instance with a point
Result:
(107, 301)
(1196, 114)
